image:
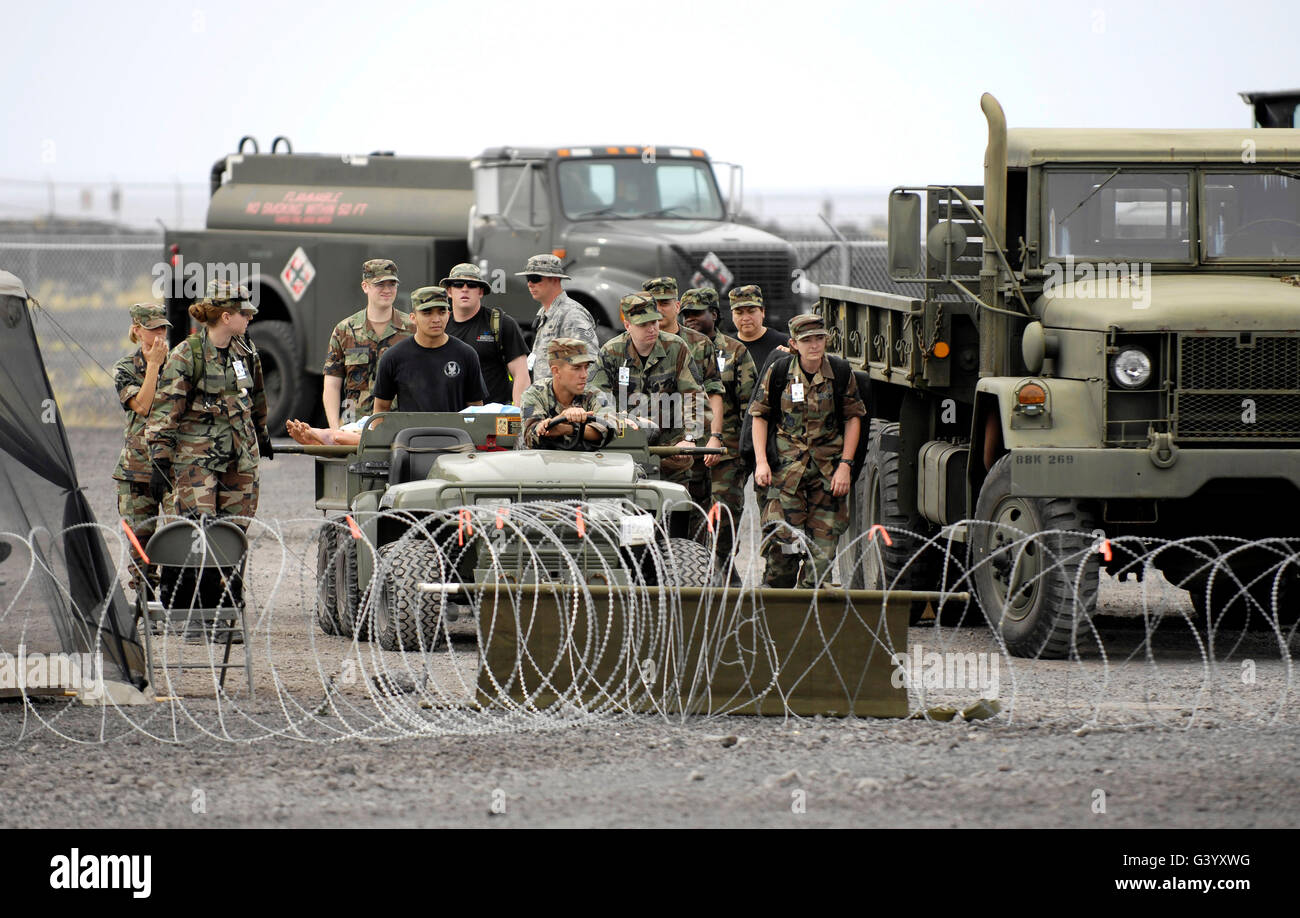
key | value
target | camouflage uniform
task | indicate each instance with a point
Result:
(704, 357)
(355, 349)
(136, 501)
(809, 444)
(643, 391)
(564, 318)
(210, 425)
(540, 402)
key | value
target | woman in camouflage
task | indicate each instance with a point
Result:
(136, 379)
(208, 427)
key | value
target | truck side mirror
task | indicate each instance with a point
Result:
(905, 236)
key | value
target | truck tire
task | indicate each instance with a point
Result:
(326, 585)
(287, 393)
(405, 618)
(881, 565)
(1032, 590)
(347, 591)
(689, 564)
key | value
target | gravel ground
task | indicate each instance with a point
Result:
(1170, 739)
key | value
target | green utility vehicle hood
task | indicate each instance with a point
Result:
(1174, 302)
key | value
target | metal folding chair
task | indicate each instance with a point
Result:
(199, 594)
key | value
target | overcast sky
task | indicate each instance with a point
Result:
(807, 95)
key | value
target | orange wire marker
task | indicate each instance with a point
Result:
(502, 513)
(463, 525)
(1104, 548)
(352, 524)
(871, 534)
(582, 525)
(136, 542)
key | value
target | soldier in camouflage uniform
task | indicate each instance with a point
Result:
(648, 374)
(136, 378)
(558, 315)
(700, 311)
(207, 430)
(561, 413)
(359, 341)
(704, 356)
(808, 479)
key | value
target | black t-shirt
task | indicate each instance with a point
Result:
(762, 347)
(477, 333)
(445, 378)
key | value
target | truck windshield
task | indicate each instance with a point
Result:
(630, 188)
(1117, 214)
(1252, 216)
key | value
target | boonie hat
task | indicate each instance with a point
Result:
(546, 266)
(469, 274)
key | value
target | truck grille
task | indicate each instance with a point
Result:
(771, 269)
(1232, 387)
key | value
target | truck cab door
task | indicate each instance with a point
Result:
(511, 222)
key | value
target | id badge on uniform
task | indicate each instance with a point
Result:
(722, 362)
(624, 376)
(242, 379)
(796, 392)
(532, 359)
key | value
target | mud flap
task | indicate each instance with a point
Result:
(693, 650)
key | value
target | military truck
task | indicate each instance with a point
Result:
(1107, 346)
(437, 498)
(296, 227)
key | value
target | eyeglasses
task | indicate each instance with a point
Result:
(457, 285)
(533, 278)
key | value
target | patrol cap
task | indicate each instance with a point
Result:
(468, 274)
(639, 309)
(698, 299)
(807, 325)
(379, 269)
(545, 265)
(572, 351)
(149, 315)
(427, 298)
(748, 295)
(222, 292)
(661, 288)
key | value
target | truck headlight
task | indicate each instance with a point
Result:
(1131, 368)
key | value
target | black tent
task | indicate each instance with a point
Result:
(59, 591)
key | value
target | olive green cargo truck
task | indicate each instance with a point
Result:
(1108, 343)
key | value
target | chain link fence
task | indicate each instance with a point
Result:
(84, 285)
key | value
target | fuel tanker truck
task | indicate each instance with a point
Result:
(1105, 346)
(295, 229)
